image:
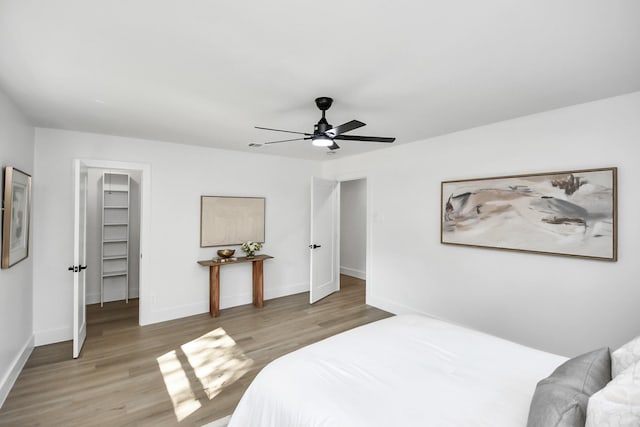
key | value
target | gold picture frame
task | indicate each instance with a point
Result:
(569, 213)
(16, 216)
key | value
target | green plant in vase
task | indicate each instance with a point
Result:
(250, 248)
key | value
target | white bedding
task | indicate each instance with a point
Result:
(402, 371)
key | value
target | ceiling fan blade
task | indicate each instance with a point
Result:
(281, 130)
(365, 138)
(334, 146)
(345, 127)
(285, 140)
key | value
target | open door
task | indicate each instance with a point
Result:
(79, 256)
(325, 250)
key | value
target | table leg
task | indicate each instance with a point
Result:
(214, 290)
(258, 283)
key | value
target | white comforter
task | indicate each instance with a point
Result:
(402, 371)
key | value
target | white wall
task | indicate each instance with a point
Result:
(16, 284)
(558, 304)
(176, 285)
(113, 291)
(353, 228)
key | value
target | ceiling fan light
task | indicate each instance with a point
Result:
(321, 141)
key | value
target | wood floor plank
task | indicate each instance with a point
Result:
(122, 374)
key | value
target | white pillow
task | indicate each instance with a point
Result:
(625, 356)
(618, 403)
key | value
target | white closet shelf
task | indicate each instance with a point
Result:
(116, 207)
(114, 241)
(112, 257)
(116, 223)
(114, 273)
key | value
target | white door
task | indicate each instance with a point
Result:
(79, 256)
(325, 250)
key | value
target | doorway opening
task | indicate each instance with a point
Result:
(118, 224)
(339, 229)
(113, 245)
(353, 232)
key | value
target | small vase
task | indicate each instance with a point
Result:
(251, 254)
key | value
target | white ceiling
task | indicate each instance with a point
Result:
(206, 71)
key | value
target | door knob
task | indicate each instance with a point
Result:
(315, 246)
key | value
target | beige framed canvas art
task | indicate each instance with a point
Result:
(570, 213)
(231, 220)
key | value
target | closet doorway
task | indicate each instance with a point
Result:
(115, 232)
(113, 243)
(353, 232)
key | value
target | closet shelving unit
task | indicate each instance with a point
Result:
(115, 232)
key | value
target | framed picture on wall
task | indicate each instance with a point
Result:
(231, 220)
(15, 216)
(570, 213)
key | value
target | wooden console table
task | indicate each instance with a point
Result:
(214, 280)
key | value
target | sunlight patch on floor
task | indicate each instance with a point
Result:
(175, 379)
(214, 359)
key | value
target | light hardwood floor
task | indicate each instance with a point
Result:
(122, 374)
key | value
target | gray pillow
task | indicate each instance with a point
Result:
(560, 400)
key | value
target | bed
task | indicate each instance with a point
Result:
(406, 370)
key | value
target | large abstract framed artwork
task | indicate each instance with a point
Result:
(570, 213)
(231, 220)
(15, 216)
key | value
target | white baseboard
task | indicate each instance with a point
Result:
(393, 307)
(178, 312)
(269, 293)
(228, 302)
(94, 298)
(284, 291)
(359, 274)
(10, 377)
(51, 336)
(235, 300)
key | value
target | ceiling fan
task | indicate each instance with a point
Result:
(324, 134)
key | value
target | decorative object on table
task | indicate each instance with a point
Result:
(250, 248)
(231, 220)
(15, 216)
(570, 213)
(226, 253)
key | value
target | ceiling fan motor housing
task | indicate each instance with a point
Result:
(322, 126)
(324, 102)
